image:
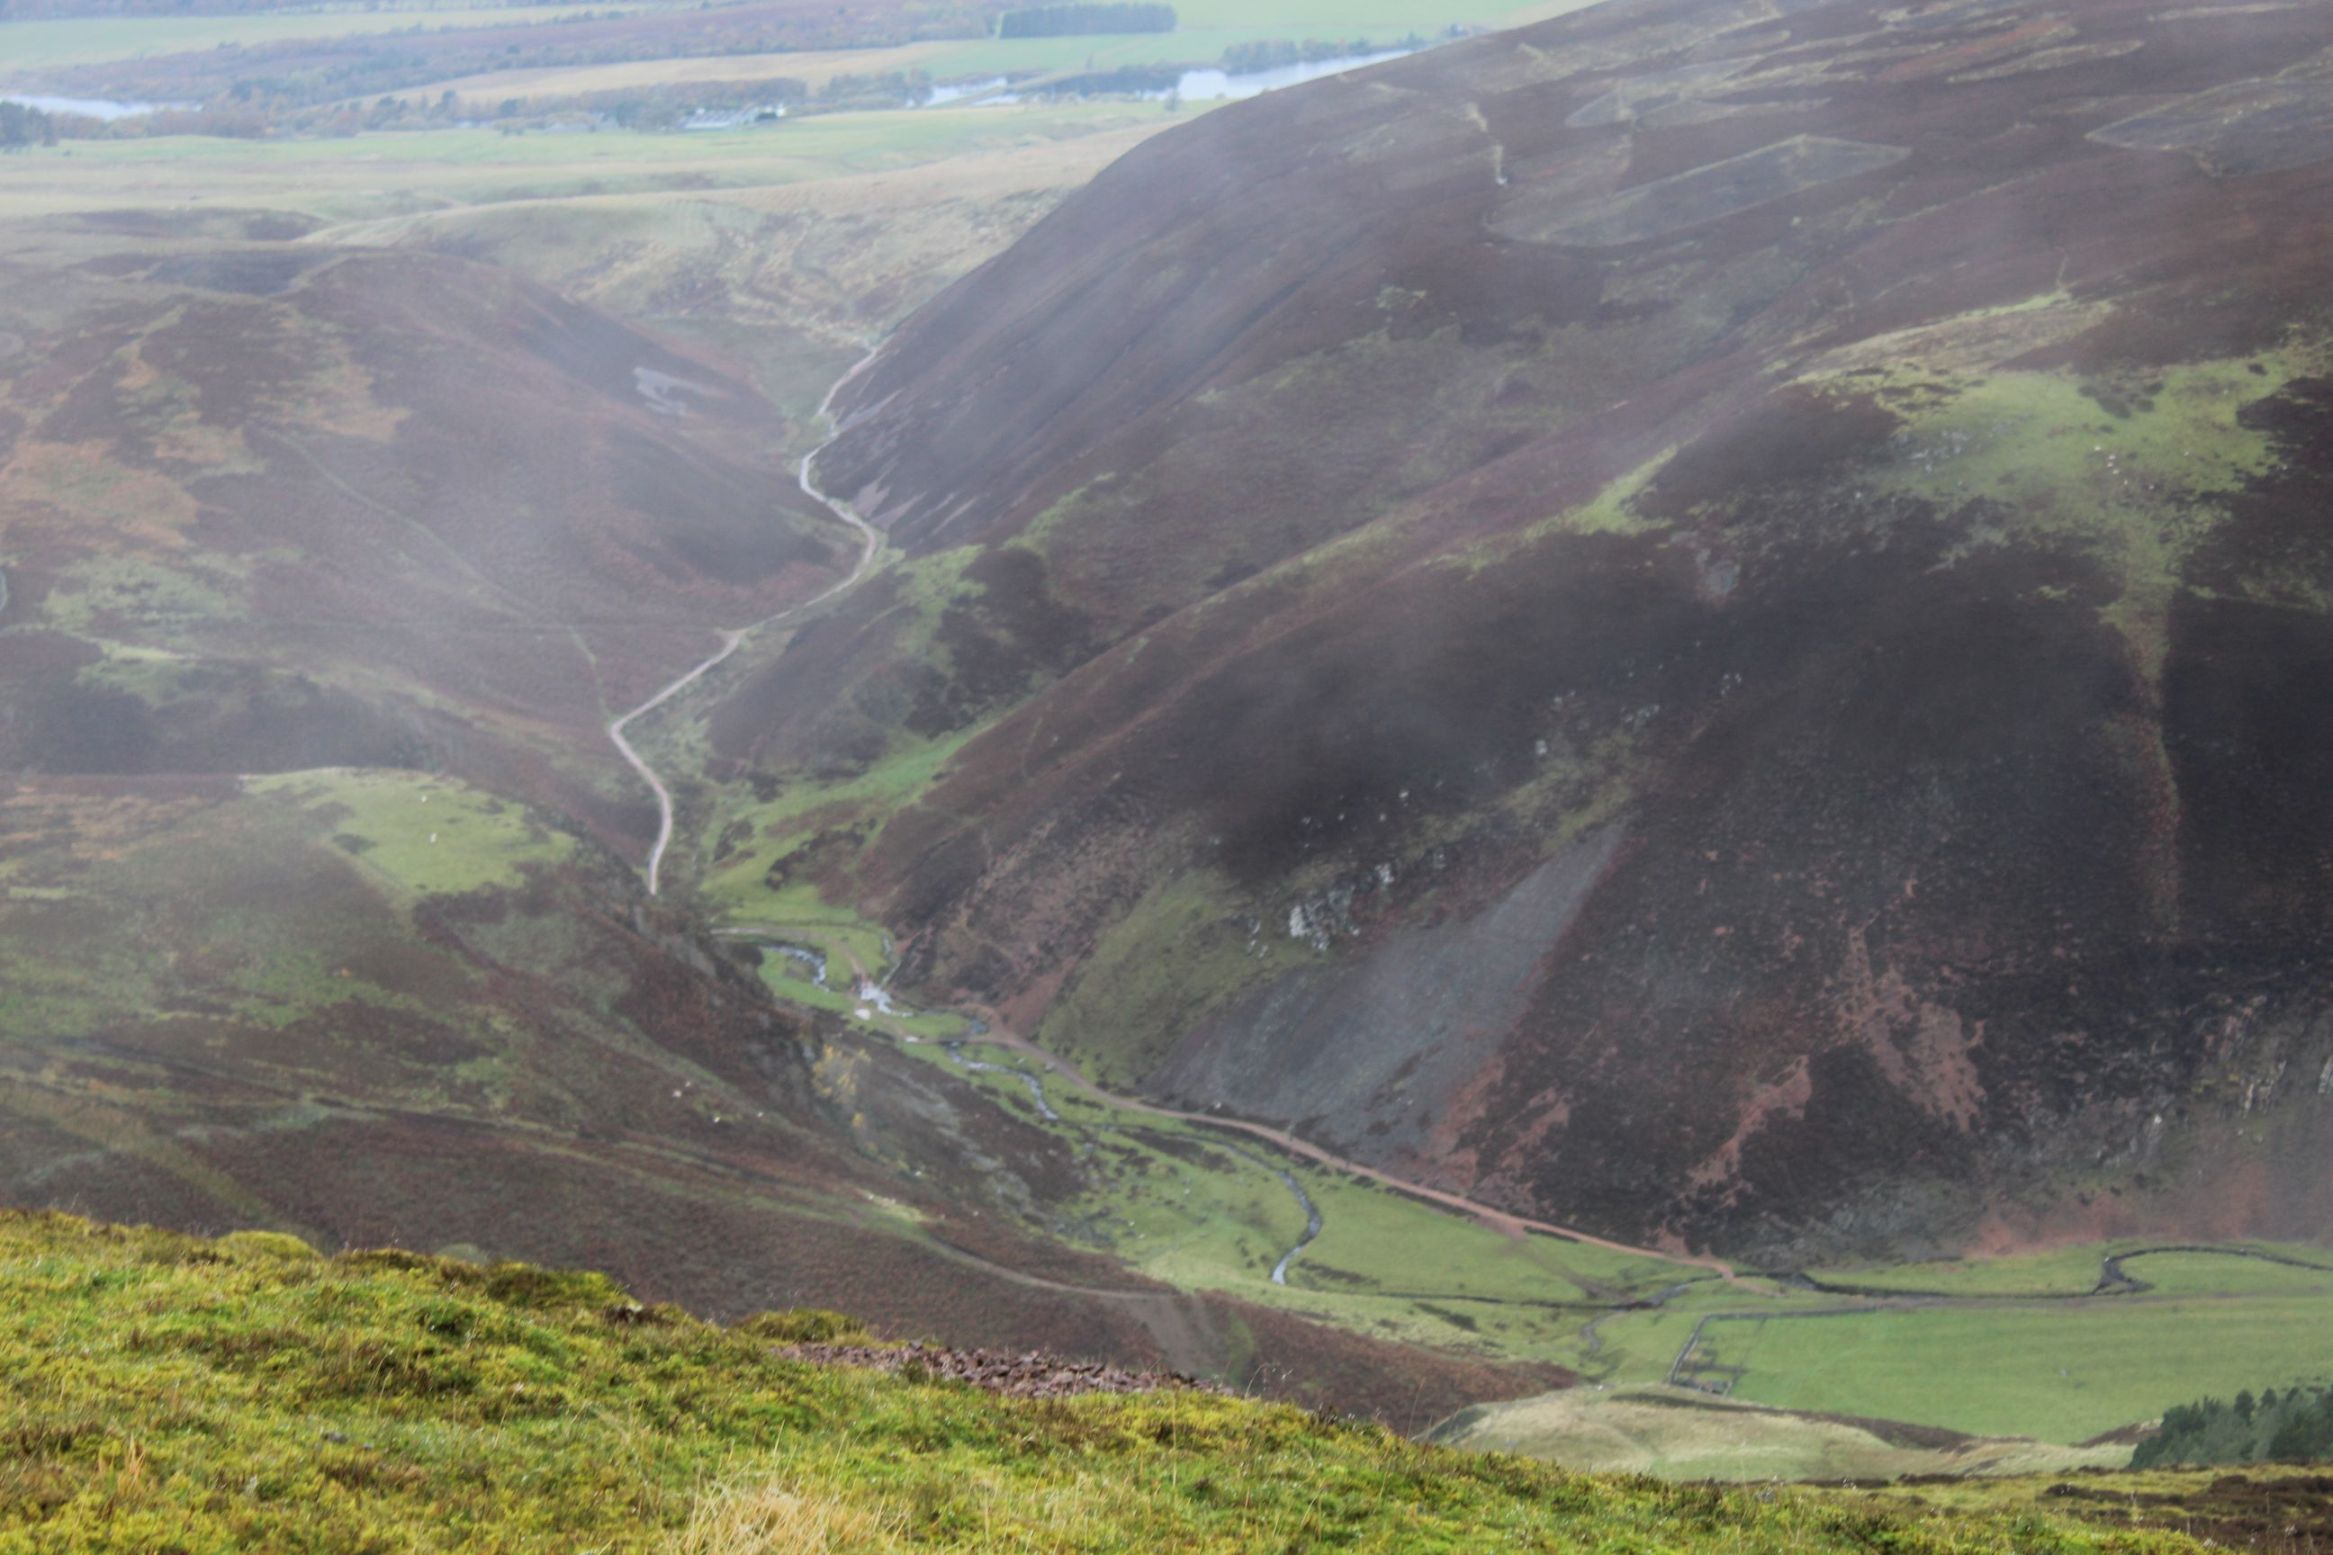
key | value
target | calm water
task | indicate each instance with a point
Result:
(1196, 86)
(86, 107)
(1204, 86)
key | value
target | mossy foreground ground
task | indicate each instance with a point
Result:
(166, 1393)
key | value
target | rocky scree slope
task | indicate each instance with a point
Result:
(1705, 620)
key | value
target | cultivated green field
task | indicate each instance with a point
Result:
(2070, 1271)
(2076, 1271)
(1198, 46)
(1206, 30)
(1340, 18)
(2062, 1372)
(1207, 1209)
(397, 174)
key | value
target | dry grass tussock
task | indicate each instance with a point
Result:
(769, 1517)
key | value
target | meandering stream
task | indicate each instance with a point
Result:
(1035, 1083)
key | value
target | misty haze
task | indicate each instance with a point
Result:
(1417, 775)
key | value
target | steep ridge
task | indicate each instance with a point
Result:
(1703, 621)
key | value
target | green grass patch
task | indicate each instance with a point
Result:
(424, 834)
(783, 978)
(2062, 1372)
(2131, 469)
(1399, 1244)
(2076, 1271)
(2227, 1274)
(2070, 1271)
(738, 886)
(1206, 1209)
(800, 914)
(1633, 1348)
(1188, 945)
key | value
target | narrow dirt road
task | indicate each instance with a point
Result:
(870, 544)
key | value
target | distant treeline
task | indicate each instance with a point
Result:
(70, 10)
(1126, 80)
(1065, 21)
(2296, 1427)
(21, 127)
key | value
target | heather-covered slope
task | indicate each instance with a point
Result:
(272, 505)
(1708, 620)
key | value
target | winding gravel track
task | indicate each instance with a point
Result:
(869, 546)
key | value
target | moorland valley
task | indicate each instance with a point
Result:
(1603, 740)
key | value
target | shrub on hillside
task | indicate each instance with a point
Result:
(2295, 1427)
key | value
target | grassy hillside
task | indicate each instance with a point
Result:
(164, 1392)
